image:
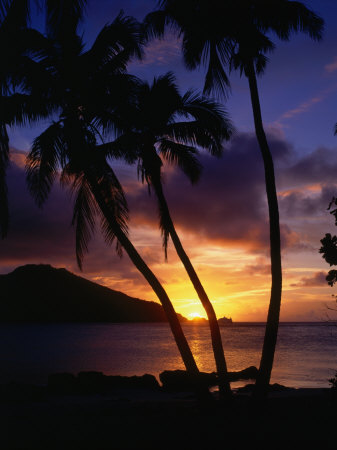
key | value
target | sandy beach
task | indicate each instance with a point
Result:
(147, 418)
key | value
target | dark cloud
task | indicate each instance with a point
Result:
(45, 236)
(320, 166)
(261, 267)
(228, 204)
(316, 280)
(227, 207)
(35, 234)
(41, 235)
(307, 204)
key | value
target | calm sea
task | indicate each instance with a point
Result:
(306, 352)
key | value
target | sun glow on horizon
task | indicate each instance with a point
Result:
(195, 315)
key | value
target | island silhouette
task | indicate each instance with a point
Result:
(42, 293)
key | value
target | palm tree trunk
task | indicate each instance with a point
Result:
(273, 318)
(181, 341)
(220, 361)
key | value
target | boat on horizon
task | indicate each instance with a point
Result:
(225, 321)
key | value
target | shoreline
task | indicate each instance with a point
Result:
(134, 418)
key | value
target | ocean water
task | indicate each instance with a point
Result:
(306, 354)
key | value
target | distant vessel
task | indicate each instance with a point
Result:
(225, 321)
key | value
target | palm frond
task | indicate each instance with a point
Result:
(195, 135)
(112, 101)
(285, 17)
(124, 147)
(113, 214)
(16, 15)
(260, 64)
(251, 44)
(164, 228)
(183, 156)
(85, 211)
(165, 86)
(122, 38)
(63, 17)
(23, 109)
(156, 23)
(4, 209)
(30, 42)
(165, 221)
(115, 201)
(4, 5)
(47, 153)
(4, 158)
(161, 101)
(211, 125)
(195, 49)
(216, 79)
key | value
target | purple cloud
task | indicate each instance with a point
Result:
(228, 204)
(316, 280)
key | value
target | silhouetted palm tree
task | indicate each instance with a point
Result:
(164, 124)
(12, 24)
(233, 34)
(84, 90)
(20, 49)
(97, 193)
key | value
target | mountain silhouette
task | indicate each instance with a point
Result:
(42, 293)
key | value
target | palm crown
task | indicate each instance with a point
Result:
(163, 124)
(20, 69)
(14, 61)
(232, 32)
(82, 90)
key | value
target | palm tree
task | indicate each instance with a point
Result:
(84, 91)
(20, 49)
(97, 193)
(13, 30)
(233, 34)
(155, 131)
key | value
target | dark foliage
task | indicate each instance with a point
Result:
(333, 382)
(329, 247)
(22, 48)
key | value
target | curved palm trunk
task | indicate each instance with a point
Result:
(224, 386)
(184, 349)
(270, 338)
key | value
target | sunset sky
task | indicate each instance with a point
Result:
(222, 221)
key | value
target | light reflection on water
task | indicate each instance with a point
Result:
(306, 354)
